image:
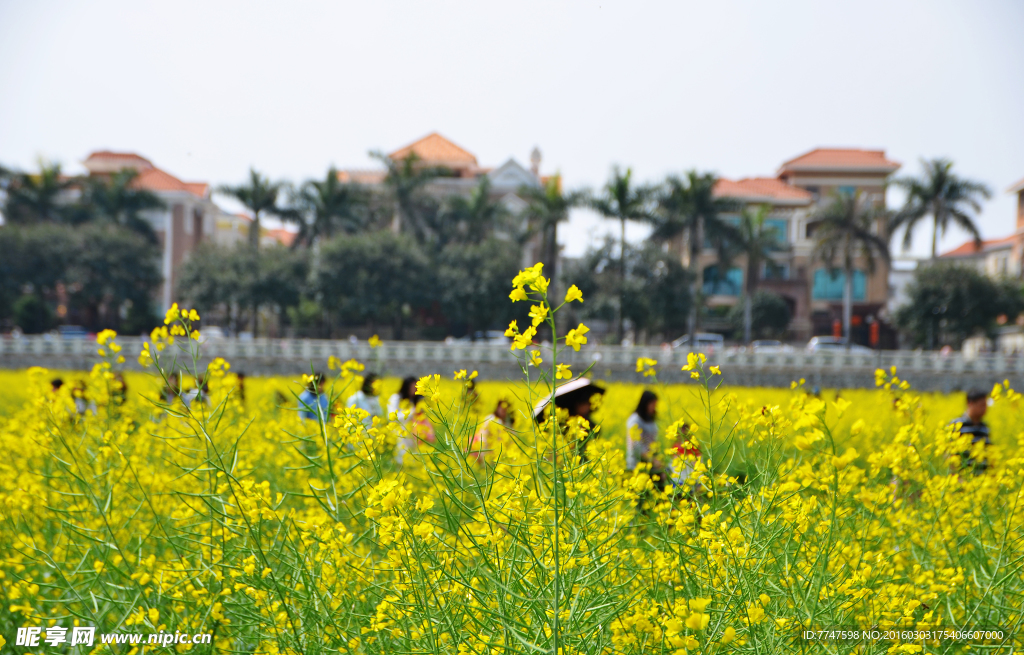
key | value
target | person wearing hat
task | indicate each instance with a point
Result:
(574, 397)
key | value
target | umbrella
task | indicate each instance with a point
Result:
(569, 394)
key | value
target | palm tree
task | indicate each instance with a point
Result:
(688, 209)
(757, 241)
(548, 207)
(260, 197)
(117, 200)
(404, 179)
(848, 228)
(324, 208)
(470, 220)
(945, 197)
(624, 202)
(33, 197)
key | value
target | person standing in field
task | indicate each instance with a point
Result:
(490, 430)
(577, 398)
(402, 402)
(642, 437)
(367, 399)
(972, 424)
(641, 430)
(313, 402)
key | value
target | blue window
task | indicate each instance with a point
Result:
(717, 285)
(779, 225)
(828, 285)
(781, 228)
(731, 219)
(774, 271)
(847, 190)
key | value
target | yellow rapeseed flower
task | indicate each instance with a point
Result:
(429, 387)
(538, 313)
(646, 365)
(172, 314)
(573, 294)
(575, 337)
(104, 336)
(521, 341)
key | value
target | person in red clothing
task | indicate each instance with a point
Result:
(688, 449)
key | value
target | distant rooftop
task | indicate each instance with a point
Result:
(762, 189)
(970, 248)
(1016, 188)
(105, 161)
(840, 160)
(362, 176)
(150, 178)
(436, 150)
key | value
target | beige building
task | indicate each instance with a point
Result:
(187, 219)
(813, 292)
(1003, 257)
(464, 174)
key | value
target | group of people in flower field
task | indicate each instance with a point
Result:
(573, 400)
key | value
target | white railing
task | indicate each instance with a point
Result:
(466, 355)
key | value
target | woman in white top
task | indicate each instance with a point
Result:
(642, 431)
(367, 400)
(397, 404)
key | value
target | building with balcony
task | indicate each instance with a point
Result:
(812, 290)
(462, 174)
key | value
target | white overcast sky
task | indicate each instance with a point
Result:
(206, 89)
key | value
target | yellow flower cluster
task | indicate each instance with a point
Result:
(647, 366)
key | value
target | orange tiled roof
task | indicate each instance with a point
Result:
(201, 189)
(970, 248)
(282, 236)
(151, 178)
(361, 177)
(156, 180)
(840, 159)
(762, 189)
(436, 150)
(1016, 188)
(106, 161)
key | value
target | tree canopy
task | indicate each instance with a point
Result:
(948, 303)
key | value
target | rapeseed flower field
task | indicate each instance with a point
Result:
(127, 504)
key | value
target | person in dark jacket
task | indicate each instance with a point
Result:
(972, 423)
